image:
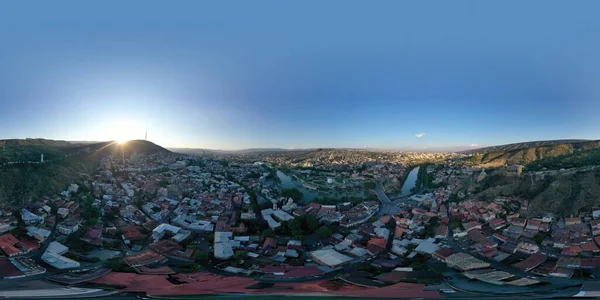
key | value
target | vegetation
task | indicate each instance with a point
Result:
(300, 226)
(65, 163)
(333, 201)
(424, 179)
(455, 223)
(579, 158)
(293, 193)
(526, 153)
(324, 232)
(370, 185)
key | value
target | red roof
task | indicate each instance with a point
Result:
(589, 247)
(444, 252)
(399, 232)
(131, 232)
(7, 244)
(209, 284)
(571, 250)
(7, 269)
(378, 241)
(29, 244)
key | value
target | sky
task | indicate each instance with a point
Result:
(301, 74)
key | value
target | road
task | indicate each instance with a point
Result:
(390, 206)
(387, 206)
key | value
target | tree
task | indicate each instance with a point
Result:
(240, 255)
(293, 193)
(539, 238)
(324, 232)
(268, 233)
(370, 185)
(200, 256)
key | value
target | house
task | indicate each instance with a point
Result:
(443, 253)
(572, 221)
(498, 223)
(376, 245)
(441, 232)
(533, 225)
(69, 225)
(93, 237)
(527, 248)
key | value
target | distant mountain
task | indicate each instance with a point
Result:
(199, 151)
(528, 152)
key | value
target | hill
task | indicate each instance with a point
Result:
(70, 163)
(31, 150)
(529, 152)
(565, 193)
(128, 148)
(521, 145)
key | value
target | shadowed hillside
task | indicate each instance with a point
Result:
(67, 163)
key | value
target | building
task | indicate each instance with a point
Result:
(144, 258)
(58, 248)
(465, 262)
(53, 257)
(30, 218)
(159, 232)
(10, 245)
(223, 248)
(330, 258)
(39, 234)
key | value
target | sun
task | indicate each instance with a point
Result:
(120, 131)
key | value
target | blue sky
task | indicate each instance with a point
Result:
(301, 74)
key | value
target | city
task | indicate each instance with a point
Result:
(275, 149)
(163, 215)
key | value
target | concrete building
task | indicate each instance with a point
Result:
(330, 258)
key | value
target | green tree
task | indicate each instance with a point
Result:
(240, 255)
(539, 238)
(293, 193)
(324, 232)
(268, 233)
(200, 256)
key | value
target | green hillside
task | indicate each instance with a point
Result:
(565, 193)
(526, 153)
(31, 150)
(67, 163)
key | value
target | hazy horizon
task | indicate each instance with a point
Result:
(268, 74)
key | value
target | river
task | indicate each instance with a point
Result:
(309, 195)
(410, 182)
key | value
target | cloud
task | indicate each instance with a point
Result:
(474, 145)
(420, 135)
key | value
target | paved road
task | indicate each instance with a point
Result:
(387, 206)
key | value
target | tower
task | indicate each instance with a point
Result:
(146, 135)
(42, 158)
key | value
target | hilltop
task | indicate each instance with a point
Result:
(528, 152)
(128, 148)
